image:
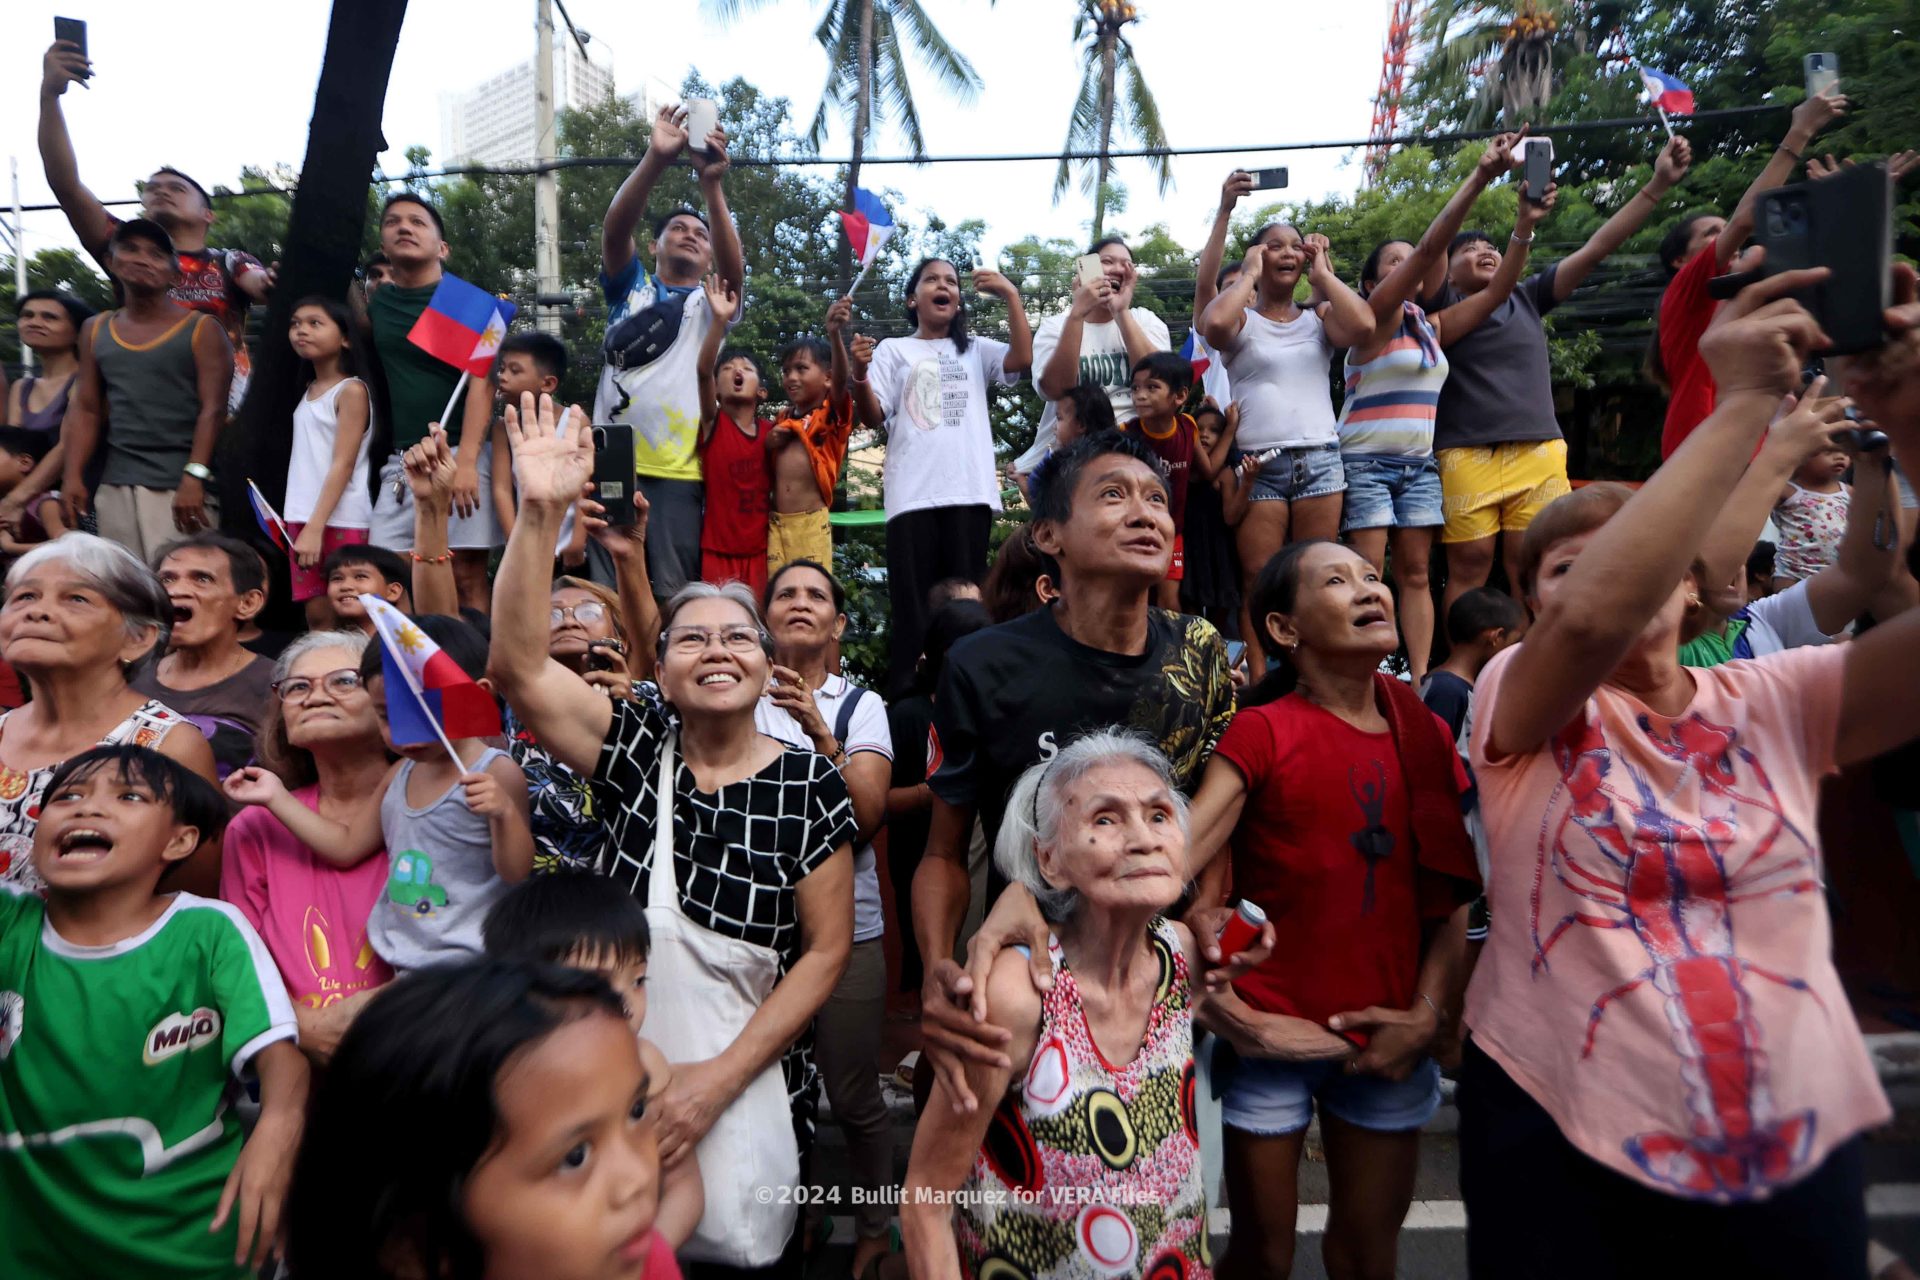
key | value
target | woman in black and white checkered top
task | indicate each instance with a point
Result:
(760, 831)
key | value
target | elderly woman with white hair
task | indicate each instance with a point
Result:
(83, 616)
(1086, 1159)
(739, 844)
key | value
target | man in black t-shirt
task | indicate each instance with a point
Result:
(1013, 695)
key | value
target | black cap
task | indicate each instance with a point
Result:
(142, 229)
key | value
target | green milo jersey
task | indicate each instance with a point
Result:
(118, 1066)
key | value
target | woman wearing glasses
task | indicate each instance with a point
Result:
(321, 738)
(743, 857)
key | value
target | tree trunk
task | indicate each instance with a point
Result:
(1109, 38)
(322, 249)
(862, 121)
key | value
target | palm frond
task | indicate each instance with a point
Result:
(892, 85)
(729, 10)
(1082, 126)
(932, 48)
(1143, 115)
(839, 35)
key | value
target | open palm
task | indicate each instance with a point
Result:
(552, 451)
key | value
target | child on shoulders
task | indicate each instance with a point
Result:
(733, 452)
(136, 1165)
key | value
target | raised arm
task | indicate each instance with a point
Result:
(1879, 694)
(837, 317)
(1134, 336)
(338, 844)
(1409, 279)
(712, 164)
(1809, 118)
(723, 298)
(1348, 319)
(1629, 568)
(1019, 332)
(1223, 444)
(1224, 317)
(63, 65)
(639, 611)
(1803, 428)
(551, 465)
(1463, 317)
(664, 144)
(430, 471)
(1214, 253)
(1671, 166)
(1062, 370)
(1869, 551)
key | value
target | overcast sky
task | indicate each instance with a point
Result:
(210, 85)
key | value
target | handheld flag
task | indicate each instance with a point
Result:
(463, 326)
(429, 698)
(1196, 353)
(868, 225)
(1669, 96)
(268, 519)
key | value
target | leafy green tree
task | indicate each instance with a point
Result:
(1109, 73)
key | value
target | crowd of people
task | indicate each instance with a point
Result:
(558, 991)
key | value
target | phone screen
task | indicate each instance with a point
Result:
(1823, 73)
(1236, 649)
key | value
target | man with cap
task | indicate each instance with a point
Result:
(220, 282)
(159, 373)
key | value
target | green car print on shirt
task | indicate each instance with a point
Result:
(410, 883)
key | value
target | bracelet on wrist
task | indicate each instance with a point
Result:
(199, 471)
(445, 557)
(1517, 238)
(1438, 1017)
(1795, 156)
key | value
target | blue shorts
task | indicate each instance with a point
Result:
(1269, 1098)
(1387, 491)
(1311, 471)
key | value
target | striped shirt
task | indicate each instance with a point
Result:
(1391, 399)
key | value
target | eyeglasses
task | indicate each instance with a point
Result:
(739, 638)
(585, 614)
(297, 689)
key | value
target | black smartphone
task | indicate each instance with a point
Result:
(1236, 649)
(1539, 169)
(1843, 223)
(599, 654)
(613, 476)
(73, 30)
(1269, 179)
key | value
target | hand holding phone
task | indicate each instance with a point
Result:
(703, 117)
(1089, 270)
(70, 63)
(1539, 168)
(613, 472)
(1823, 73)
(1270, 179)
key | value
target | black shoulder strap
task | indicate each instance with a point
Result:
(843, 719)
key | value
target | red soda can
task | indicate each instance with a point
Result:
(1242, 929)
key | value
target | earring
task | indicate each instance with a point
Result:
(1693, 601)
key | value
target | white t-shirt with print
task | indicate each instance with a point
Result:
(1103, 360)
(1281, 382)
(939, 438)
(867, 731)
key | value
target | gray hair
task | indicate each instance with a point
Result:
(738, 592)
(313, 642)
(1039, 799)
(129, 586)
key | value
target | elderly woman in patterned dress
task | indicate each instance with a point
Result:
(1086, 1160)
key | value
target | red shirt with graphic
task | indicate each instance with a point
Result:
(738, 481)
(209, 281)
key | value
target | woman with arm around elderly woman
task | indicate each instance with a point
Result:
(751, 910)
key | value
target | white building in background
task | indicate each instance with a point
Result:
(493, 122)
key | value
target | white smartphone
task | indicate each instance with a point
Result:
(703, 117)
(1823, 72)
(1089, 270)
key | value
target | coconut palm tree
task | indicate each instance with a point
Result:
(1110, 74)
(868, 44)
(1514, 52)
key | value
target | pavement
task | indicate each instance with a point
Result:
(1433, 1241)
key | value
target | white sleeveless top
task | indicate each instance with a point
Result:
(316, 421)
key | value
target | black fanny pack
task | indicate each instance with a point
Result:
(646, 334)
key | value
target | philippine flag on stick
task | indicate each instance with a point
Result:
(268, 519)
(1195, 352)
(1669, 96)
(462, 326)
(868, 226)
(429, 698)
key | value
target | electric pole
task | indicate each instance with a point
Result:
(546, 183)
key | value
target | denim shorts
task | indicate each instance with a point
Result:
(1310, 471)
(1387, 491)
(1268, 1098)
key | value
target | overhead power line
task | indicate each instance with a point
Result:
(1031, 157)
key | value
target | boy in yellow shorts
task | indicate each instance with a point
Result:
(808, 442)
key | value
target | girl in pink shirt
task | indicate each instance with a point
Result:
(1663, 1076)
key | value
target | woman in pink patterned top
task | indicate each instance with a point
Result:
(1084, 1160)
(1663, 1076)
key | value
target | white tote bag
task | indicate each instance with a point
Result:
(703, 988)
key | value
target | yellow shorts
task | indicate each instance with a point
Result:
(799, 535)
(1499, 489)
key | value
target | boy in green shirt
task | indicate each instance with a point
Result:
(127, 1015)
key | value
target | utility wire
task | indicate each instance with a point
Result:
(1050, 157)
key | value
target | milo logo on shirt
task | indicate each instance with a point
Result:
(179, 1032)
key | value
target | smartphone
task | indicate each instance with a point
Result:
(1269, 179)
(1843, 223)
(599, 654)
(1823, 72)
(1236, 650)
(613, 474)
(1089, 270)
(1539, 168)
(703, 117)
(71, 29)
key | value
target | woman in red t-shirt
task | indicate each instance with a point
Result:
(1341, 793)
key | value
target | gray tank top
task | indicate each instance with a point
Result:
(153, 400)
(440, 876)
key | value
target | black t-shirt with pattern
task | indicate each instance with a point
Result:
(739, 853)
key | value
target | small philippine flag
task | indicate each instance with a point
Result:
(428, 695)
(463, 326)
(868, 225)
(1667, 93)
(1196, 353)
(268, 519)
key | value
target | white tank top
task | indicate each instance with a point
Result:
(315, 422)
